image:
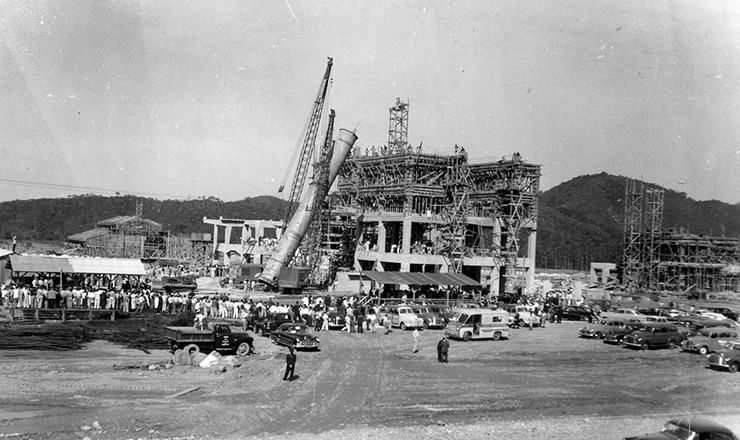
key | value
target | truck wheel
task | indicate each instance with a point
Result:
(598, 335)
(243, 349)
(496, 336)
(644, 346)
(734, 367)
(703, 351)
(466, 336)
(191, 349)
(672, 345)
(403, 326)
(261, 331)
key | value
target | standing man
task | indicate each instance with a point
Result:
(442, 348)
(289, 364)
(416, 340)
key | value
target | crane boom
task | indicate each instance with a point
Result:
(307, 148)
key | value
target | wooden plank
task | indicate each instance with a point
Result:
(181, 393)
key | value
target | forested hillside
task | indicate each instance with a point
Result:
(582, 220)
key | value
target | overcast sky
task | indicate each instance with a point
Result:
(183, 99)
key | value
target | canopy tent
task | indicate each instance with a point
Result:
(421, 278)
(76, 265)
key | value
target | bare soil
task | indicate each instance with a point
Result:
(540, 384)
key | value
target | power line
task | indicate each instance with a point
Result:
(85, 189)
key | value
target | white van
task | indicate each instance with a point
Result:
(478, 324)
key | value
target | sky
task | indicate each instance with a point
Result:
(187, 99)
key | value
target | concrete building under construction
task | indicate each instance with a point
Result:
(656, 259)
(419, 212)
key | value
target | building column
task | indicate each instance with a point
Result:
(406, 239)
(531, 256)
(215, 241)
(381, 237)
(227, 236)
(496, 269)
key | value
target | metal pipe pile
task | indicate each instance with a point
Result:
(43, 337)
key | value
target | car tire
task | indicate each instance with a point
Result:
(191, 349)
(644, 346)
(261, 331)
(703, 351)
(734, 367)
(242, 349)
(466, 336)
(403, 326)
(496, 336)
(598, 335)
(426, 325)
(672, 345)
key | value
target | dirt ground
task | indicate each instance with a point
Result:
(540, 384)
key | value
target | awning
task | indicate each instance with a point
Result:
(421, 278)
(82, 265)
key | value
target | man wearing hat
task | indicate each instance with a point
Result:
(289, 364)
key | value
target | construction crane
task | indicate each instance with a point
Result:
(307, 148)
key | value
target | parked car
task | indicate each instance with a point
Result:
(708, 340)
(431, 319)
(654, 336)
(401, 316)
(689, 428)
(728, 313)
(654, 318)
(271, 322)
(577, 313)
(615, 335)
(295, 335)
(598, 331)
(624, 313)
(336, 319)
(726, 358)
(698, 322)
(445, 312)
(520, 315)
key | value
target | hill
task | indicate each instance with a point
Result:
(582, 220)
(55, 219)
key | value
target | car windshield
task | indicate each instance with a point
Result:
(462, 318)
(677, 432)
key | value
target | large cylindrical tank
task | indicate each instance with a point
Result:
(299, 224)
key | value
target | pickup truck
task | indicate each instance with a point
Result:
(219, 338)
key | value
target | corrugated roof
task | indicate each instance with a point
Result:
(85, 265)
(421, 278)
(88, 235)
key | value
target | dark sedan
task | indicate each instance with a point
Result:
(689, 428)
(577, 313)
(295, 335)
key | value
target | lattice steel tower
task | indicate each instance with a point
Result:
(631, 259)
(398, 126)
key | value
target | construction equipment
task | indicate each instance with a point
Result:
(307, 148)
(301, 220)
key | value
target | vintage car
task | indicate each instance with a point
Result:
(598, 331)
(479, 324)
(520, 316)
(336, 319)
(295, 335)
(697, 322)
(724, 311)
(401, 316)
(624, 313)
(577, 313)
(445, 312)
(655, 318)
(431, 319)
(689, 428)
(616, 335)
(267, 325)
(726, 358)
(654, 336)
(708, 340)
